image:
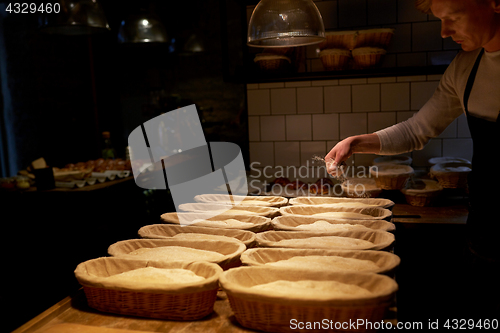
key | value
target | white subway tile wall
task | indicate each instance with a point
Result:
(291, 121)
(338, 109)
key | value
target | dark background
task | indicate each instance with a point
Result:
(60, 92)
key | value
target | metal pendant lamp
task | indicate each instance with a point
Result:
(76, 17)
(142, 28)
(282, 23)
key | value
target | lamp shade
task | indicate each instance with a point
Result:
(76, 17)
(142, 28)
(279, 23)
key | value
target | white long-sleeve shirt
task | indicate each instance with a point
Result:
(446, 103)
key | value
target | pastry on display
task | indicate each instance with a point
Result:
(298, 185)
(321, 186)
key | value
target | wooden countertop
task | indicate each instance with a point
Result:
(451, 210)
(74, 310)
(455, 214)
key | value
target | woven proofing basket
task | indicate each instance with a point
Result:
(165, 301)
(425, 196)
(160, 231)
(381, 240)
(335, 59)
(371, 213)
(360, 188)
(367, 60)
(271, 312)
(229, 249)
(266, 201)
(383, 203)
(258, 223)
(291, 222)
(386, 261)
(374, 37)
(229, 209)
(391, 176)
(339, 39)
(451, 179)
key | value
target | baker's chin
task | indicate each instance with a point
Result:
(467, 48)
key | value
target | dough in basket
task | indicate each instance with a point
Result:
(312, 288)
(327, 226)
(327, 262)
(344, 215)
(156, 275)
(189, 235)
(235, 211)
(352, 204)
(229, 223)
(326, 241)
(176, 253)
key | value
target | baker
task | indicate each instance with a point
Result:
(470, 85)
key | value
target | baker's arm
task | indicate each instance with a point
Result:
(365, 143)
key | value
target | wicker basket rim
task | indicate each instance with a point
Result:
(381, 202)
(439, 168)
(290, 222)
(90, 280)
(264, 57)
(231, 285)
(383, 239)
(443, 159)
(251, 256)
(208, 206)
(385, 170)
(381, 213)
(226, 200)
(334, 51)
(367, 50)
(376, 30)
(435, 187)
(206, 244)
(341, 32)
(241, 235)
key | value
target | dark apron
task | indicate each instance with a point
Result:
(479, 280)
(483, 222)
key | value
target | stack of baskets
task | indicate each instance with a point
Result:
(354, 49)
(274, 60)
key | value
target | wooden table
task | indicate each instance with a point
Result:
(74, 310)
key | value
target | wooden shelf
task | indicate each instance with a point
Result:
(257, 77)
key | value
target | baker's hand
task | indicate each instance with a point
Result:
(365, 143)
(338, 155)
